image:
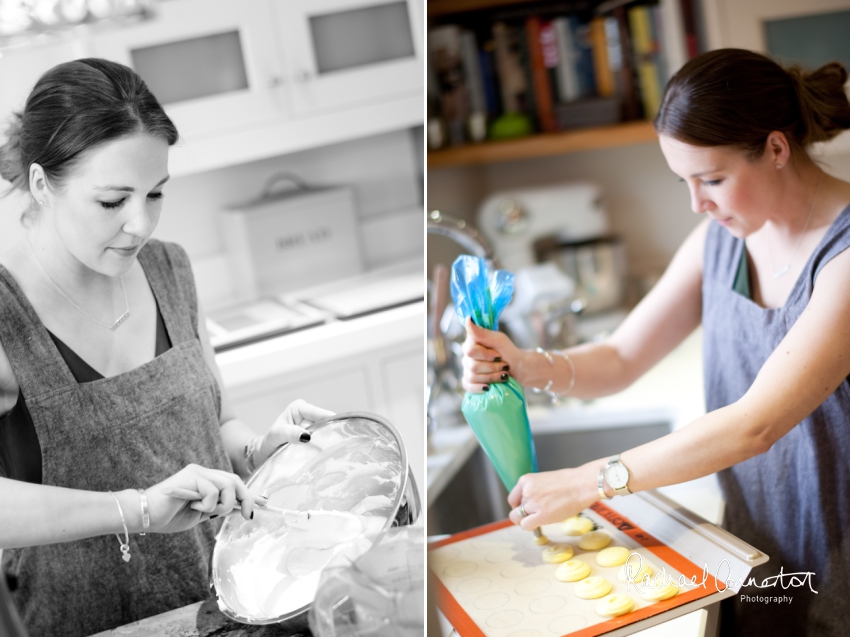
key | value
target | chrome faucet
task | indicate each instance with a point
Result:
(462, 234)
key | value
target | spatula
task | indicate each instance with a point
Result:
(345, 523)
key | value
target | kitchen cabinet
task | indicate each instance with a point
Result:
(343, 52)
(211, 63)
(250, 79)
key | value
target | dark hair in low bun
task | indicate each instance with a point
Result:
(824, 109)
(734, 97)
(74, 107)
(11, 168)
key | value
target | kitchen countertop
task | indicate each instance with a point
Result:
(321, 344)
(672, 391)
(180, 622)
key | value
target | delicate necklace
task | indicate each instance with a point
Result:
(779, 273)
(112, 327)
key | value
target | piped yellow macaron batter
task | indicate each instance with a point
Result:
(594, 540)
(593, 587)
(612, 556)
(615, 605)
(572, 571)
(558, 553)
(577, 525)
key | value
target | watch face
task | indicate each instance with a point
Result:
(617, 476)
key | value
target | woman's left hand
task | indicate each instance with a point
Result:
(290, 426)
(552, 496)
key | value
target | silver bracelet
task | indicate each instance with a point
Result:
(146, 516)
(572, 367)
(555, 396)
(125, 545)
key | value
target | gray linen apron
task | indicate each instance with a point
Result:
(792, 502)
(126, 431)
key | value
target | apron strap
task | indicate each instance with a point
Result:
(169, 274)
(36, 362)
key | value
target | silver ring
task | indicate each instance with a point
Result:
(522, 510)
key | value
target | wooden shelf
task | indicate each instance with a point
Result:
(544, 145)
(438, 8)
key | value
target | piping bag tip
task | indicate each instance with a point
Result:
(539, 538)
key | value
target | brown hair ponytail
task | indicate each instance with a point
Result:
(734, 97)
(824, 110)
(74, 107)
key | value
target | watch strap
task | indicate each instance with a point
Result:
(600, 484)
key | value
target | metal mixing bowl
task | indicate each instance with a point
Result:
(263, 571)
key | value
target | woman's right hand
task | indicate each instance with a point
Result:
(172, 507)
(489, 357)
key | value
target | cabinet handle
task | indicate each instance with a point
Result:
(274, 81)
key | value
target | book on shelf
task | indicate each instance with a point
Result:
(513, 86)
(566, 76)
(584, 57)
(645, 48)
(472, 72)
(689, 21)
(477, 120)
(524, 50)
(508, 72)
(540, 75)
(627, 83)
(673, 46)
(602, 64)
(489, 80)
(444, 45)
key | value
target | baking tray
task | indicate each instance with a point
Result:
(492, 582)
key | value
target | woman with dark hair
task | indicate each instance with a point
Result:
(767, 275)
(111, 403)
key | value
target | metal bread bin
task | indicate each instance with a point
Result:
(291, 239)
(265, 572)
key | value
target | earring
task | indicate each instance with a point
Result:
(778, 166)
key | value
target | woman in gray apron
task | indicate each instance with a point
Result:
(111, 404)
(767, 275)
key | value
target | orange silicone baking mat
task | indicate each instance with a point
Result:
(492, 581)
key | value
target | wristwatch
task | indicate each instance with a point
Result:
(617, 475)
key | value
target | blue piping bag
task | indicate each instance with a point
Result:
(498, 416)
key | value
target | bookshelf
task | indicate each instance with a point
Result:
(447, 7)
(543, 145)
(560, 64)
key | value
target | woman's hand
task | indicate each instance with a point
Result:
(552, 496)
(488, 357)
(195, 494)
(290, 426)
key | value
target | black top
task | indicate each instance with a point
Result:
(20, 453)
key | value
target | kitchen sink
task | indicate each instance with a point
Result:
(475, 495)
(573, 448)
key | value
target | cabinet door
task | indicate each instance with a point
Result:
(342, 53)
(211, 63)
